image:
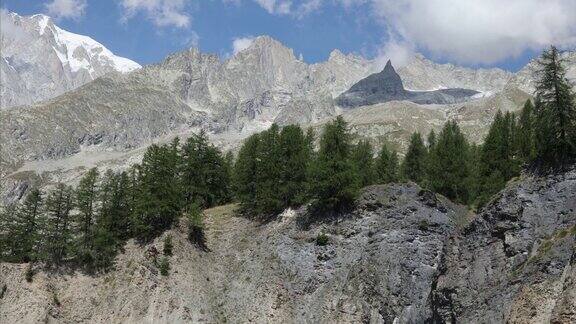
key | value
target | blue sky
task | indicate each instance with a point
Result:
(148, 30)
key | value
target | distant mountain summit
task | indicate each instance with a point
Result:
(387, 86)
(40, 61)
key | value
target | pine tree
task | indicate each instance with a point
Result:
(449, 172)
(159, 201)
(245, 174)
(334, 181)
(205, 175)
(431, 140)
(86, 202)
(58, 234)
(498, 162)
(8, 245)
(294, 162)
(525, 137)
(363, 159)
(413, 166)
(112, 224)
(555, 111)
(31, 222)
(387, 166)
(229, 170)
(23, 225)
(268, 166)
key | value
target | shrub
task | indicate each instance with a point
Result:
(423, 225)
(164, 266)
(3, 291)
(168, 245)
(322, 239)
(55, 299)
(29, 274)
(196, 227)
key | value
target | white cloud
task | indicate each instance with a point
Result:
(276, 7)
(193, 40)
(241, 43)
(288, 7)
(162, 13)
(66, 9)
(400, 53)
(473, 31)
(464, 31)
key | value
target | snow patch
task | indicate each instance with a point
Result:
(436, 88)
(484, 94)
(70, 52)
(43, 21)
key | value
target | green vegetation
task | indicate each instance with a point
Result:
(413, 166)
(322, 239)
(334, 180)
(164, 266)
(86, 226)
(555, 112)
(168, 246)
(29, 273)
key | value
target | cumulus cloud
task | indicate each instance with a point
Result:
(241, 43)
(399, 52)
(485, 32)
(465, 31)
(66, 9)
(162, 13)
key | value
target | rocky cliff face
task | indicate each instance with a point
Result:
(516, 262)
(404, 255)
(424, 75)
(41, 61)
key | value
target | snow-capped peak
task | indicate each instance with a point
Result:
(42, 60)
(71, 48)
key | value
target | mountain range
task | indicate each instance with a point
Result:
(95, 116)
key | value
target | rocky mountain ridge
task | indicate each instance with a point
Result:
(41, 61)
(403, 255)
(110, 121)
(387, 85)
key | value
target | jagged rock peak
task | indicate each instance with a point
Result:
(387, 86)
(387, 80)
(266, 45)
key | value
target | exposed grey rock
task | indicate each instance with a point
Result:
(387, 86)
(515, 263)
(378, 266)
(424, 75)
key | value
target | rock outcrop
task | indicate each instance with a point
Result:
(516, 262)
(379, 265)
(403, 255)
(387, 86)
